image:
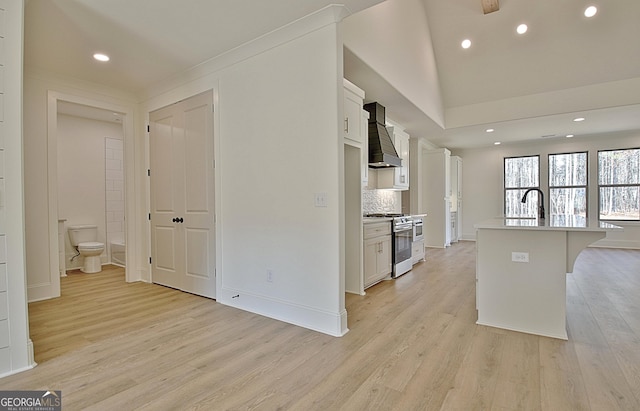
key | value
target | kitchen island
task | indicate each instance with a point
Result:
(521, 270)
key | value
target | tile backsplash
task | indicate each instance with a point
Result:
(381, 201)
(114, 185)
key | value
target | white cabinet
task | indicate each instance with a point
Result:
(396, 178)
(355, 128)
(352, 126)
(417, 251)
(377, 252)
(456, 198)
(436, 197)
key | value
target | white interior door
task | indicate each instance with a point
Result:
(182, 196)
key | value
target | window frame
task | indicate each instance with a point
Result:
(614, 220)
(504, 182)
(585, 186)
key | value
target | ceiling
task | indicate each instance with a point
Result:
(525, 87)
(562, 50)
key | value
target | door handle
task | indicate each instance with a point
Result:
(178, 220)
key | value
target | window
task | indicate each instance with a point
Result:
(568, 184)
(619, 184)
(521, 174)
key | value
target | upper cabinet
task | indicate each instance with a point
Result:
(352, 127)
(355, 130)
(397, 178)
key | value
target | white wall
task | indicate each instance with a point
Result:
(482, 179)
(373, 35)
(277, 144)
(82, 176)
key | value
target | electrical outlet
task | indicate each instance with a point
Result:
(520, 257)
(269, 276)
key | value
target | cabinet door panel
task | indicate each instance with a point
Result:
(384, 256)
(352, 121)
(371, 248)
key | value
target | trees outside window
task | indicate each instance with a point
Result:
(619, 184)
(568, 184)
(521, 174)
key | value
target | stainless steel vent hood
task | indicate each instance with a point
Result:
(382, 153)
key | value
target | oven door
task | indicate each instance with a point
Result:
(402, 245)
(417, 231)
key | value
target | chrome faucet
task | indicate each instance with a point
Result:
(540, 201)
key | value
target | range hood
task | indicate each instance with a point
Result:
(382, 153)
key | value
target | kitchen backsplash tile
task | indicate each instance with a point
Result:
(381, 201)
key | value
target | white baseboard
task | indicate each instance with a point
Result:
(331, 323)
(31, 354)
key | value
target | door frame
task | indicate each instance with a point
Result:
(52, 181)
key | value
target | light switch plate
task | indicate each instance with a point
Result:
(321, 200)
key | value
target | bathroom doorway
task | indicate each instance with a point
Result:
(88, 132)
(90, 181)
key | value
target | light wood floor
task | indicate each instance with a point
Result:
(413, 345)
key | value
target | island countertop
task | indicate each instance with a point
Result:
(560, 223)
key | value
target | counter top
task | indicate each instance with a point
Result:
(558, 223)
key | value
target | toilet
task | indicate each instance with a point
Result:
(83, 238)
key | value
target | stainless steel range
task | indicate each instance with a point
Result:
(402, 239)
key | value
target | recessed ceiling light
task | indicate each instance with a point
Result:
(497, 143)
(466, 43)
(101, 57)
(569, 135)
(489, 130)
(578, 119)
(590, 11)
(521, 29)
